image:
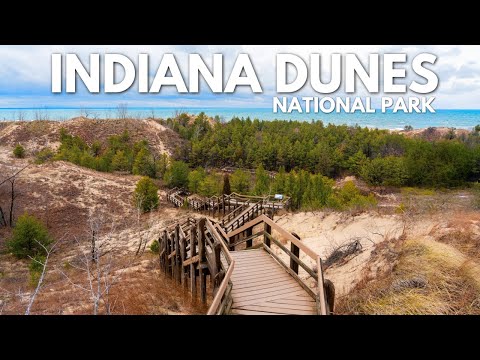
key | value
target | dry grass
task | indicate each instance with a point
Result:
(461, 232)
(450, 285)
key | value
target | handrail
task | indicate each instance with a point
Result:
(232, 215)
(320, 289)
(293, 239)
(212, 310)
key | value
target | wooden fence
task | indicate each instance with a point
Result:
(195, 250)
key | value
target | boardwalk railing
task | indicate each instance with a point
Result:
(244, 233)
(248, 214)
(194, 250)
(222, 205)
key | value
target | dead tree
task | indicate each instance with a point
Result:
(13, 196)
(48, 252)
(97, 262)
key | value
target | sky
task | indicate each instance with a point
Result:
(25, 75)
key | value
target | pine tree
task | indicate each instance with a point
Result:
(262, 181)
(143, 164)
(240, 182)
(226, 185)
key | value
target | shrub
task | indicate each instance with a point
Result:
(143, 164)
(349, 197)
(120, 161)
(145, 196)
(27, 236)
(195, 178)
(19, 151)
(408, 128)
(154, 247)
(177, 175)
(46, 154)
(240, 182)
(210, 185)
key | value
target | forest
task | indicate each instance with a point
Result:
(379, 157)
(305, 156)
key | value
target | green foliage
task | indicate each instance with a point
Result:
(390, 171)
(120, 161)
(211, 185)
(195, 178)
(177, 174)
(262, 181)
(226, 185)
(19, 151)
(162, 165)
(332, 150)
(408, 128)
(145, 196)
(120, 154)
(240, 182)
(155, 247)
(144, 163)
(280, 181)
(28, 237)
(357, 161)
(44, 155)
(36, 268)
(349, 197)
(318, 192)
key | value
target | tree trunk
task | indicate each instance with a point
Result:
(2, 217)
(12, 201)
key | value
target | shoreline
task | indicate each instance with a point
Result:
(440, 130)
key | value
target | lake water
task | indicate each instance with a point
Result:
(442, 118)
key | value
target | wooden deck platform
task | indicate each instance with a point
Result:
(263, 287)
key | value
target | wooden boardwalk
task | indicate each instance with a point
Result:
(263, 287)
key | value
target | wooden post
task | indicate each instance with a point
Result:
(203, 284)
(178, 261)
(296, 251)
(165, 253)
(183, 255)
(249, 243)
(217, 266)
(268, 230)
(193, 252)
(171, 244)
(202, 266)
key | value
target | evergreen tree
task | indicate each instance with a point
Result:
(177, 175)
(120, 161)
(145, 196)
(195, 178)
(209, 186)
(143, 164)
(226, 185)
(240, 182)
(262, 181)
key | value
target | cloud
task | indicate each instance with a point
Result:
(25, 74)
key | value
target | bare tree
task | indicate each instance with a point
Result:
(97, 262)
(44, 264)
(122, 111)
(13, 196)
(21, 115)
(84, 112)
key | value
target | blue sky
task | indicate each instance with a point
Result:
(25, 75)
